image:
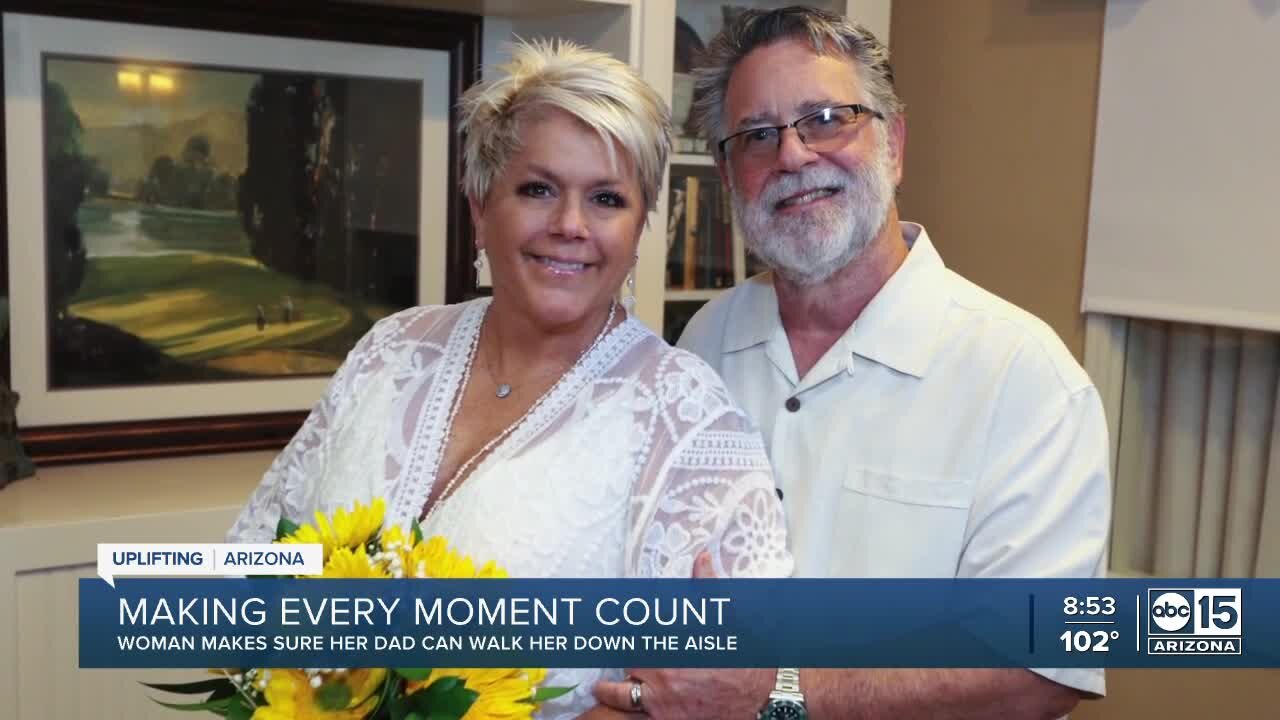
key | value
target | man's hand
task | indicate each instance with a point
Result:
(692, 694)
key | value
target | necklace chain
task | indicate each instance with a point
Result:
(462, 390)
(504, 389)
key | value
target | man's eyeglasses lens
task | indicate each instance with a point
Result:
(821, 131)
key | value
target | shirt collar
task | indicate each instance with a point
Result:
(898, 328)
(759, 313)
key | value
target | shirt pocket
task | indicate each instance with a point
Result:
(891, 525)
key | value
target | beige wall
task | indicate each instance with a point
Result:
(1001, 97)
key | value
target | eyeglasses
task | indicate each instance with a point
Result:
(821, 131)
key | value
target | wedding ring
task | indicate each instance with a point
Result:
(637, 689)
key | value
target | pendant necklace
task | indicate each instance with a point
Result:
(457, 404)
(504, 389)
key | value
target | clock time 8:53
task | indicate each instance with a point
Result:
(1088, 605)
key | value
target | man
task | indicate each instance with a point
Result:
(918, 425)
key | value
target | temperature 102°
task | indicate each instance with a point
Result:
(1088, 640)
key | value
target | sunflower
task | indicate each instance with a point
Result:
(346, 563)
(491, 571)
(434, 559)
(357, 546)
(291, 696)
(394, 539)
(504, 693)
(346, 529)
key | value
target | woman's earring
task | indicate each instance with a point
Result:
(481, 260)
(629, 301)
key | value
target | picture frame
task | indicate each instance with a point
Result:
(99, 417)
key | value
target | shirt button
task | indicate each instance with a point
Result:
(793, 404)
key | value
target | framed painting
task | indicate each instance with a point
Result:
(206, 207)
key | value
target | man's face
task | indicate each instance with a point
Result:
(807, 214)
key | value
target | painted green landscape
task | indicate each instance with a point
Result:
(207, 224)
(186, 284)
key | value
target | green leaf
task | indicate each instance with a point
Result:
(333, 696)
(225, 691)
(285, 528)
(192, 688)
(417, 532)
(400, 708)
(217, 706)
(413, 674)
(239, 709)
(389, 685)
(443, 685)
(447, 697)
(413, 716)
(461, 700)
(544, 694)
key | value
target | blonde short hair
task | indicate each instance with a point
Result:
(606, 94)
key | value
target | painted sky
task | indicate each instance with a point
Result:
(100, 102)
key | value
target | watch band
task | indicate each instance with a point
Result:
(788, 681)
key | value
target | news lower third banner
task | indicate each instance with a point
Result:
(269, 622)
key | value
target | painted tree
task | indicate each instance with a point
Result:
(67, 174)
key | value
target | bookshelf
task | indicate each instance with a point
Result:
(692, 159)
(644, 33)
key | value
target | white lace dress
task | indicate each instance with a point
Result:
(634, 463)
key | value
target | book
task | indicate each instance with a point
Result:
(693, 218)
(700, 245)
(675, 234)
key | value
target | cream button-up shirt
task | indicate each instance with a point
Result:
(947, 433)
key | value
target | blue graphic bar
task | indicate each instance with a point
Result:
(1153, 623)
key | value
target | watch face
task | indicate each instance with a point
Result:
(784, 710)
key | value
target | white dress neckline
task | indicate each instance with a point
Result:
(433, 431)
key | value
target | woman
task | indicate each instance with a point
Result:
(544, 428)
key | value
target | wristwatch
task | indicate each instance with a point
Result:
(786, 702)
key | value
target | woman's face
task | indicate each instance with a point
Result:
(560, 224)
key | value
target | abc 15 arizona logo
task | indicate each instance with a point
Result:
(1201, 621)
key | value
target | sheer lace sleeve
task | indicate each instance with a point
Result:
(707, 484)
(295, 473)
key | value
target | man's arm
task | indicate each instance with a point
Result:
(935, 694)
(932, 694)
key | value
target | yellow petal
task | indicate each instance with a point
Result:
(347, 563)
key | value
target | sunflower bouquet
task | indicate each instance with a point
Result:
(357, 546)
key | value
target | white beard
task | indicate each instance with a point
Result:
(808, 248)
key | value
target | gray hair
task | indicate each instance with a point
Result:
(826, 33)
(604, 93)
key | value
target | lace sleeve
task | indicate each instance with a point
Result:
(284, 487)
(707, 486)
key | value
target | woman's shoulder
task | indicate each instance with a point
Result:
(655, 350)
(659, 353)
(419, 331)
(681, 373)
(421, 322)
(429, 314)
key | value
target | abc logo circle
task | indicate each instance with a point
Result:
(1171, 612)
